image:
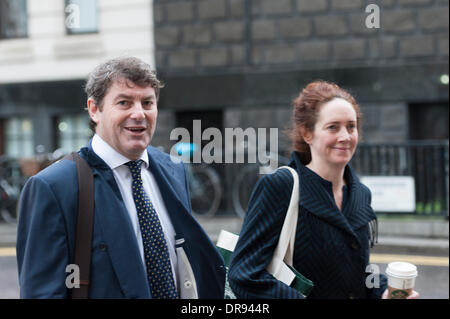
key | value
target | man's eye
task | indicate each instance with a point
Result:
(122, 102)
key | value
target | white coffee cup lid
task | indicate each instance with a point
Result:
(401, 269)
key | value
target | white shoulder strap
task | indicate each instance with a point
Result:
(286, 243)
(284, 252)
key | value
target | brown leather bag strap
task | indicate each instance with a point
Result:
(85, 224)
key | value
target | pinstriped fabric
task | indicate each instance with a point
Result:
(331, 248)
(258, 238)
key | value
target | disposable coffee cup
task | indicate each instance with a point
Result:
(401, 279)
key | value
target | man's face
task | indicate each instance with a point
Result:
(127, 120)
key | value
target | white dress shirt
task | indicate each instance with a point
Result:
(122, 174)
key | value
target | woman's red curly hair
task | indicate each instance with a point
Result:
(306, 108)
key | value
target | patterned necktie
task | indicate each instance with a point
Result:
(159, 271)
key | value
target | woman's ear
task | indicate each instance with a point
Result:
(306, 134)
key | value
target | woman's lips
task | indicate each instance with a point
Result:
(342, 148)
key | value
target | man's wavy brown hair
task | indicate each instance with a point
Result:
(129, 68)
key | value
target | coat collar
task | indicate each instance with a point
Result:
(163, 169)
(110, 155)
(316, 198)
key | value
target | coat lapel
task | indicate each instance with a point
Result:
(163, 171)
(358, 210)
(316, 199)
(116, 229)
(197, 254)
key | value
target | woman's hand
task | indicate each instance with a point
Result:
(413, 295)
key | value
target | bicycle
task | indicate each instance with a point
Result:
(9, 196)
(14, 174)
(204, 183)
(247, 178)
(9, 193)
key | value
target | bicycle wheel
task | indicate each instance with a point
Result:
(206, 191)
(8, 216)
(243, 188)
(8, 202)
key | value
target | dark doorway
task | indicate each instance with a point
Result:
(428, 127)
(208, 119)
(428, 121)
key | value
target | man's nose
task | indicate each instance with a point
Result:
(137, 111)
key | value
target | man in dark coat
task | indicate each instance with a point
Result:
(122, 104)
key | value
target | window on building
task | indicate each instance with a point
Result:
(72, 132)
(19, 137)
(81, 16)
(13, 19)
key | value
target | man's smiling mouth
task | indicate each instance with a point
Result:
(135, 129)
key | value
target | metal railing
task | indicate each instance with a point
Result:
(425, 161)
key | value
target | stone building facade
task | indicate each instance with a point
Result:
(44, 62)
(239, 63)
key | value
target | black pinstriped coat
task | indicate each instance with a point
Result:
(331, 247)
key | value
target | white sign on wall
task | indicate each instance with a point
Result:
(391, 193)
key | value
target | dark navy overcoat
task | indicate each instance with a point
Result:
(46, 234)
(331, 247)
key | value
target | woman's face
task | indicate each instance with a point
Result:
(335, 136)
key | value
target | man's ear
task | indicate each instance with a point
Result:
(93, 110)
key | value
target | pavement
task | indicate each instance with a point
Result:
(421, 236)
(424, 243)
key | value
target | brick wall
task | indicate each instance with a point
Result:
(251, 57)
(207, 35)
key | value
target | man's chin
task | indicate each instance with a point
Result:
(135, 151)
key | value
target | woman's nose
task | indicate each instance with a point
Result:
(344, 135)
